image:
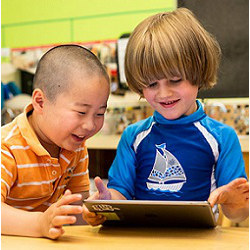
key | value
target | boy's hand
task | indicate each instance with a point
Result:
(235, 194)
(60, 213)
(103, 193)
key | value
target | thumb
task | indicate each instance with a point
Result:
(212, 199)
(104, 193)
(218, 196)
(100, 185)
(67, 192)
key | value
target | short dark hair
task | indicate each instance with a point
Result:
(57, 65)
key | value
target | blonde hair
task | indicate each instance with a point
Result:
(171, 44)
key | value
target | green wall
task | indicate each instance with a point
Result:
(41, 22)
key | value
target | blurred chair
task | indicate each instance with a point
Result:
(13, 107)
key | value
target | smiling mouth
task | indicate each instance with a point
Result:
(78, 138)
(169, 104)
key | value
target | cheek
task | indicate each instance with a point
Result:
(190, 90)
(150, 98)
(147, 95)
(192, 93)
(70, 123)
(99, 124)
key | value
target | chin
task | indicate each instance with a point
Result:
(71, 147)
(170, 117)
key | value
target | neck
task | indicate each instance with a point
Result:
(52, 148)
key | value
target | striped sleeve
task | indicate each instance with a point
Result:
(8, 171)
(79, 181)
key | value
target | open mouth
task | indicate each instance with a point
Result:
(169, 104)
(78, 138)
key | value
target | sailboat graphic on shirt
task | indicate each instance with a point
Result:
(167, 173)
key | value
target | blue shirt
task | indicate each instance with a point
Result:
(182, 159)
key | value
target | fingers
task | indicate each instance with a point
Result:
(85, 210)
(54, 233)
(92, 218)
(104, 193)
(99, 184)
(236, 191)
(60, 217)
(60, 220)
(67, 192)
(214, 196)
(69, 209)
(237, 182)
(68, 198)
(94, 196)
(60, 213)
(86, 214)
(244, 187)
(97, 220)
(239, 187)
(213, 199)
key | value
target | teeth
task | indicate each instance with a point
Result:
(81, 136)
(170, 102)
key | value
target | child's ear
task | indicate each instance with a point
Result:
(38, 99)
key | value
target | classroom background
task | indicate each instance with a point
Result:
(30, 28)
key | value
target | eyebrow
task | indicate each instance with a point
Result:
(88, 105)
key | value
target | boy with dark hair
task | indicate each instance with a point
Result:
(43, 150)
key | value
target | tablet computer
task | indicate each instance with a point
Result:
(153, 213)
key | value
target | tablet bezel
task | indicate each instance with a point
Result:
(125, 208)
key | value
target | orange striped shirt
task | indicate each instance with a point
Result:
(30, 178)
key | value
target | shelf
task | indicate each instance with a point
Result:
(130, 99)
(100, 141)
(244, 142)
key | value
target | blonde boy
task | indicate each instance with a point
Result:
(179, 153)
(43, 150)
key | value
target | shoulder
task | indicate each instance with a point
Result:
(133, 131)
(14, 139)
(11, 134)
(10, 138)
(219, 130)
(138, 127)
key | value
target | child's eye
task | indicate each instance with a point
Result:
(153, 84)
(101, 114)
(175, 80)
(82, 113)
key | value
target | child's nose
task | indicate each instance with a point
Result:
(88, 125)
(165, 92)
